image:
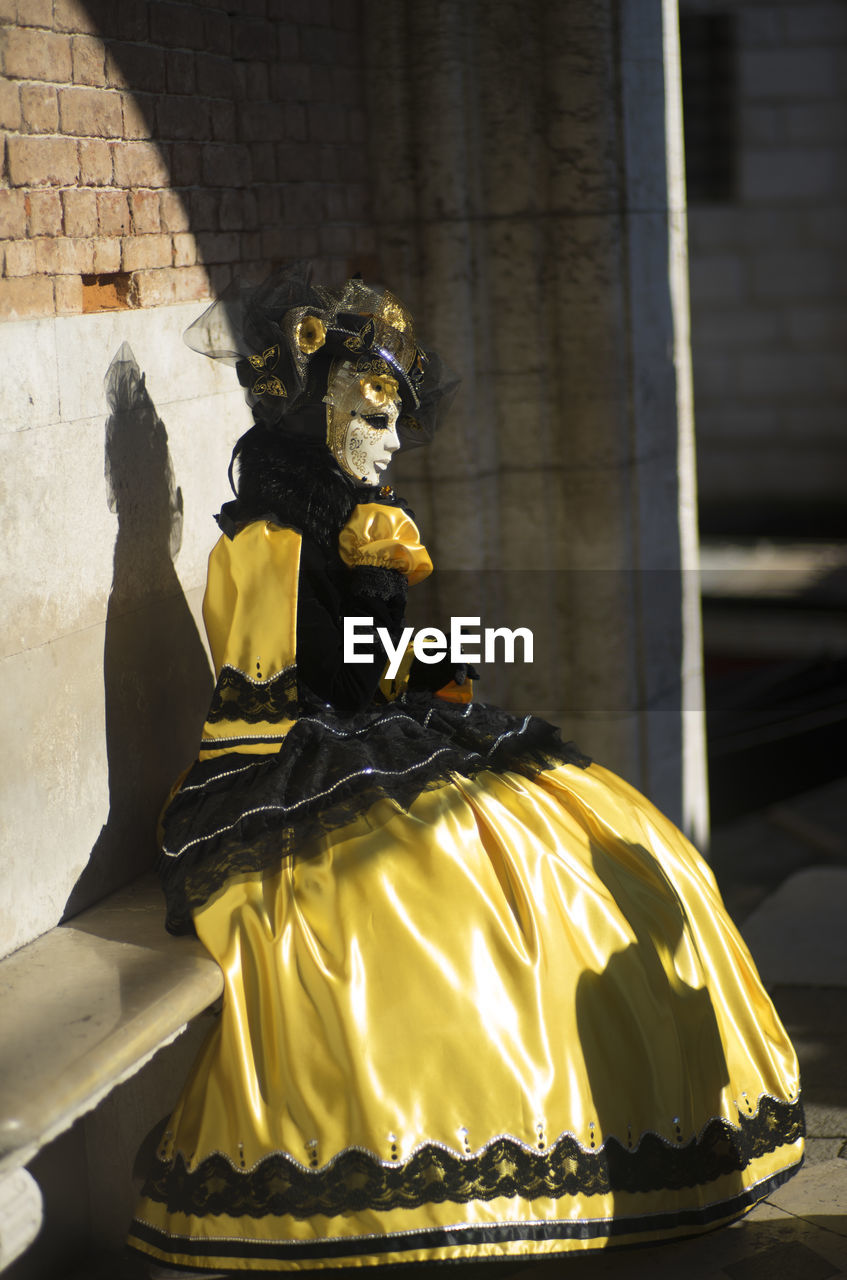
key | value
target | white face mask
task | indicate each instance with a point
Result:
(362, 413)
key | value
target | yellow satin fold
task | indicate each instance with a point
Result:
(250, 614)
(508, 957)
(386, 538)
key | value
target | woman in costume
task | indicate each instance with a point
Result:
(481, 998)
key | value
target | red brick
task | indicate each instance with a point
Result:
(20, 258)
(44, 213)
(23, 299)
(335, 202)
(263, 160)
(231, 211)
(80, 208)
(35, 13)
(302, 202)
(318, 48)
(37, 55)
(358, 201)
(185, 164)
(291, 82)
(84, 252)
(178, 118)
(56, 256)
(330, 160)
(335, 239)
(223, 120)
(191, 284)
(204, 210)
(154, 288)
(89, 60)
(252, 80)
(10, 106)
(139, 112)
(176, 26)
(40, 108)
(185, 250)
(252, 40)
(135, 66)
(133, 18)
(269, 202)
(251, 245)
(327, 122)
(74, 15)
(68, 292)
(107, 256)
(112, 213)
(139, 252)
(295, 162)
(95, 163)
(12, 214)
(91, 113)
(220, 247)
(217, 30)
(287, 41)
(215, 76)
(145, 212)
(226, 166)
(295, 127)
(276, 243)
(260, 120)
(140, 164)
(179, 71)
(173, 211)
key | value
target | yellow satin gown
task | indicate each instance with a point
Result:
(512, 1018)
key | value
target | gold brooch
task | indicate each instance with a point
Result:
(310, 334)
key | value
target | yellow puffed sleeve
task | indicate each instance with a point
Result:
(384, 538)
(250, 612)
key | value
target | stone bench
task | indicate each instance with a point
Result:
(82, 1009)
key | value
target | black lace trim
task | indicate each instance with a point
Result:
(357, 1181)
(232, 820)
(238, 697)
(379, 582)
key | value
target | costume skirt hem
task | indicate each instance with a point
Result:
(453, 1242)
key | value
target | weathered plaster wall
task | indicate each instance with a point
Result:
(534, 214)
(152, 149)
(105, 678)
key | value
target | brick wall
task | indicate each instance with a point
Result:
(152, 147)
(768, 276)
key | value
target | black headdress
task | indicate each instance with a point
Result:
(283, 335)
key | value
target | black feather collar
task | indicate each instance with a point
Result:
(294, 481)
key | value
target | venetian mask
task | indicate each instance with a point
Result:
(362, 408)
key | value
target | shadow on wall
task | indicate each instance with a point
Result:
(157, 678)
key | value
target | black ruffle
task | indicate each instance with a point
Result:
(238, 813)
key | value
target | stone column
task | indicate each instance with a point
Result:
(529, 198)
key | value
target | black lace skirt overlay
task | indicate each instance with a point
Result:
(357, 1180)
(239, 813)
